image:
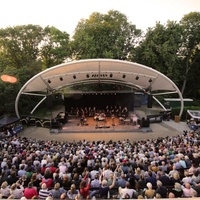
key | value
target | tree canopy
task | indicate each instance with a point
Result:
(104, 36)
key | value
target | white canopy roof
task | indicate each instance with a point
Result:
(97, 71)
(195, 114)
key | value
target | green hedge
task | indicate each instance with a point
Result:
(184, 117)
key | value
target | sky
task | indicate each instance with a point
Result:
(65, 14)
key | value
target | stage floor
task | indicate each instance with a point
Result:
(74, 125)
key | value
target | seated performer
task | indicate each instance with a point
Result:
(83, 120)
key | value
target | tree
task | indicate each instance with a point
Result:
(190, 48)
(8, 91)
(104, 36)
(54, 47)
(24, 50)
(19, 45)
(159, 49)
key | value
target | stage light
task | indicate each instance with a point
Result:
(74, 76)
(137, 78)
(61, 79)
(150, 80)
(87, 75)
(124, 76)
(49, 81)
(111, 75)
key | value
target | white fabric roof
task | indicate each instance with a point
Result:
(97, 71)
(195, 114)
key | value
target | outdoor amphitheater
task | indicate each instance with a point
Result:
(101, 144)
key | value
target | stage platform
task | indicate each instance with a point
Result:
(109, 125)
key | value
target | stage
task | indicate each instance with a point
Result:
(116, 124)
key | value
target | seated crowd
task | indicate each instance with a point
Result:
(166, 167)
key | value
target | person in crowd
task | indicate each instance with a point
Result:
(16, 190)
(174, 170)
(164, 178)
(175, 178)
(95, 170)
(188, 191)
(104, 189)
(47, 180)
(4, 175)
(57, 191)
(24, 180)
(85, 187)
(22, 171)
(35, 181)
(30, 192)
(162, 190)
(44, 192)
(4, 190)
(76, 180)
(187, 178)
(151, 179)
(126, 192)
(149, 192)
(95, 182)
(107, 171)
(72, 192)
(66, 182)
(121, 182)
(12, 178)
(177, 190)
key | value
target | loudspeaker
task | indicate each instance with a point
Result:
(150, 101)
(58, 96)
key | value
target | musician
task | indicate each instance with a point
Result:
(107, 111)
(113, 119)
(120, 111)
(77, 112)
(125, 111)
(86, 111)
(72, 111)
(116, 111)
(93, 111)
(89, 112)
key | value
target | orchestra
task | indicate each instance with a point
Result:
(119, 113)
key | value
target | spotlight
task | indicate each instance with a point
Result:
(124, 76)
(111, 75)
(61, 79)
(87, 75)
(49, 81)
(150, 80)
(74, 76)
(137, 77)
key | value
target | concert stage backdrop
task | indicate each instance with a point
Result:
(101, 100)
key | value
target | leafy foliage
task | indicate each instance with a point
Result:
(159, 49)
(104, 36)
(190, 46)
(54, 48)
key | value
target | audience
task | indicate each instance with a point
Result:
(166, 167)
